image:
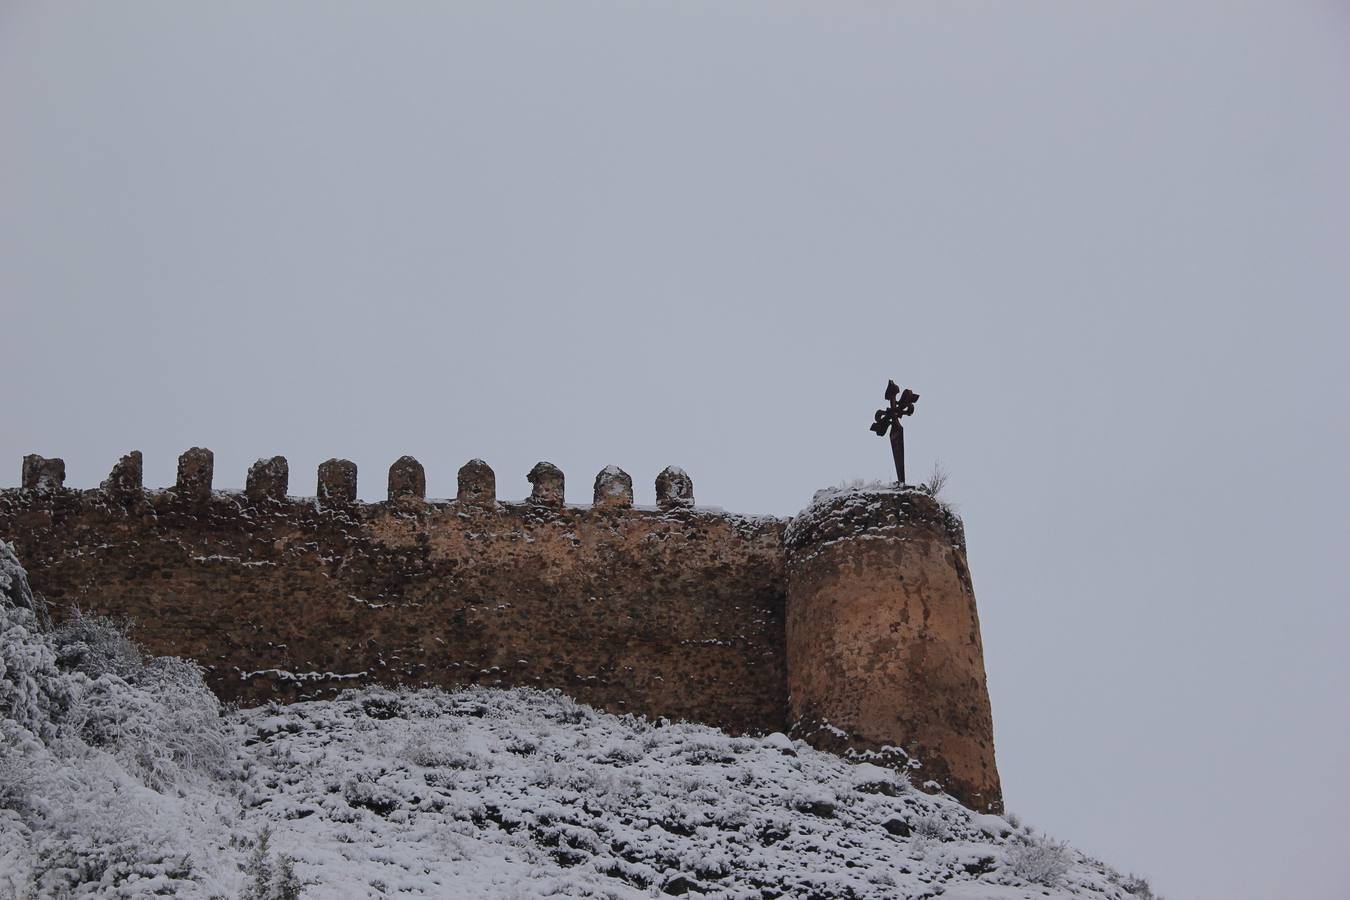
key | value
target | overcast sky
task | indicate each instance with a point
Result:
(1109, 245)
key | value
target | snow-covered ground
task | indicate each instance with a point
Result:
(120, 776)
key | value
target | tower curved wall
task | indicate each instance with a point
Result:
(884, 657)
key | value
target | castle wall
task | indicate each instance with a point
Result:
(672, 612)
(883, 639)
(853, 627)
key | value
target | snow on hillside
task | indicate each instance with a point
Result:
(121, 777)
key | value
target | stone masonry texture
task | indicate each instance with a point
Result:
(546, 483)
(407, 478)
(337, 482)
(125, 479)
(42, 474)
(852, 626)
(674, 488)
(195, 471)
(883, 639)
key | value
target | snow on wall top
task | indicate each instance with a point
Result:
(269, 479)
(841, 512)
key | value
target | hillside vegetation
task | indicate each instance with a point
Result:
(120, 776)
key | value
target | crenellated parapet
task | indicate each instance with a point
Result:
(852, 626)
(670, 610)
(268, 481)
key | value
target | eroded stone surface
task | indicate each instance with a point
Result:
(883, 638)
(337, 481)
(268, 480)
(854, 625)
(124, 481)
(407, 479)
(477, 484)
(196, 468)
(546, 482)
(638, 613)
(674, 488)
(613, 489)
(43, 474)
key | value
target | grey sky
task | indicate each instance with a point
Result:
(1107, 244)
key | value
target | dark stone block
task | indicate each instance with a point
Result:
(337, 482)
(125, 480)
(196, 468)
(407, 478)
(613, 489)
(42, 474)
(268, 480)
(547, 481)
(674, 489)
(477, 484)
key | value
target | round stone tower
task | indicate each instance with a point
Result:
(884, 658)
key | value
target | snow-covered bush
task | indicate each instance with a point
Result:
(14, 589)
(932, 827)
(96, 646)
(872, 779)
(161, 722)
(32, 692)
(1039, 859)
(87, 681)
(95, 740)
(270, 877)
(14, 776)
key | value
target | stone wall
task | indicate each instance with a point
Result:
(673, 611)
(884, 654)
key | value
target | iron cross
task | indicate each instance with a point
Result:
(899, 404)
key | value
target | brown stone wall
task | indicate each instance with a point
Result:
(883, 639)
(676, 613)
(854, 625)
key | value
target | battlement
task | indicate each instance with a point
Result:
(269, 481)
(852, 625)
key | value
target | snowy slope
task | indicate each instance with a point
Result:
(523, 793)
(119, 776)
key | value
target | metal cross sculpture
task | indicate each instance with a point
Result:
(900, 404)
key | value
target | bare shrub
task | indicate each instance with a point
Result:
(1140, 888)
(435, 749)
(932, 827)
(1039, 859)
(937, 480)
